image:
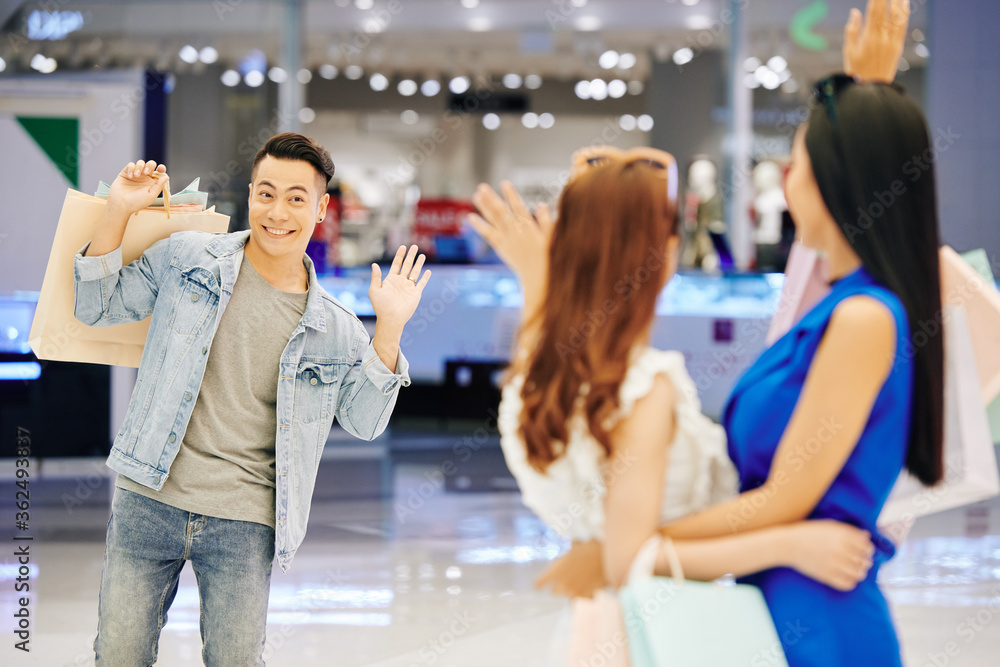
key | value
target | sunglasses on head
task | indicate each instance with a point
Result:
(827, 90)
(660, 161)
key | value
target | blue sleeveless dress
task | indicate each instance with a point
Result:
(819, 626)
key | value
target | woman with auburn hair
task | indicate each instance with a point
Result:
(604, 433)
(822, 424)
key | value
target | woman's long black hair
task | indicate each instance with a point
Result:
(872, 157)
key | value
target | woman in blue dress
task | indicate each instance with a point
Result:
(822, 424)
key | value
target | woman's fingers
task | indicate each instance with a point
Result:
(514, 200)
(491, 206)
(483, 228)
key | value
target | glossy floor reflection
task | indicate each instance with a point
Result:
(446, 579)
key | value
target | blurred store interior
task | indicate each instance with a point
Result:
(419, 101)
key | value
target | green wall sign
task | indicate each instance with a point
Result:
(803, 22)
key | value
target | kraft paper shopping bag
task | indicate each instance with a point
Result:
(56, 334)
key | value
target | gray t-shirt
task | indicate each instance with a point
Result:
(225, 465)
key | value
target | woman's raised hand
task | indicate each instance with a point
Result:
(519, 238)
(874, 45)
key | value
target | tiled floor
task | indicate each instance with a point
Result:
(450, 584)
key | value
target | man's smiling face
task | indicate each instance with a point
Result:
(287, 198)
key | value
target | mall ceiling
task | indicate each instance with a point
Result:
(426, 38)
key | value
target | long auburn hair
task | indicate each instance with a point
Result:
(856, 161)
(607, 265)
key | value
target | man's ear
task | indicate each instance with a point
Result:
(323, 204)
(249, 192)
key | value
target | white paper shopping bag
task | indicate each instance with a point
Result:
(970, 463)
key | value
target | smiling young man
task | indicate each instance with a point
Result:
(247, 363)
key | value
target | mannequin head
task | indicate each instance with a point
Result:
(767, 176)
(702, 175)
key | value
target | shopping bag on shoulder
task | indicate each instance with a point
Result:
(56, 334)
(805, 284)
(671, 621)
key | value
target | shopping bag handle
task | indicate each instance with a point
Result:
(644, 563)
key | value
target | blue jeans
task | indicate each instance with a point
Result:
(147, 545)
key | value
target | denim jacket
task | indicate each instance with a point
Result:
(329, 367)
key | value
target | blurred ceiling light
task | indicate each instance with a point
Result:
(617, 88)
(254, 78)
(230, 78)
(3, 64)
(904, 65)
(582, 90)
(578, 3)
(277, 75)
(354, 72)
(512, 81)
(608, 60)
(917, 35)
(752, 63)
(790, 86)
(378, 82)
(530, 120)
(644, 122)
(491, 121)
(921, 50)
(189, 54)
(459, 84)
(588, 23)
(690, 3)
(636, 87)
(470, 4)
(304, 76)
(598, 89)
(208, 55)
(364, 4)
(306, 115)
(627, 60)
(430, 87)
(328, 71)
(480, 24)
(43, 64)
(409, 117)
(532, 82)
(627, 122)
(683, 56)
(698, 22)
(407, 87)
(546, 121)
(778, 64)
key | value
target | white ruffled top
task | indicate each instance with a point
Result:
(569, 496)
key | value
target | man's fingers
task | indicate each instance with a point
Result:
(397, 261)
(414, 273)
(376, 277)
(411, 255)
(424, 280)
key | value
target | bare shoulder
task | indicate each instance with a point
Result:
(650, 424)
(862, 328)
